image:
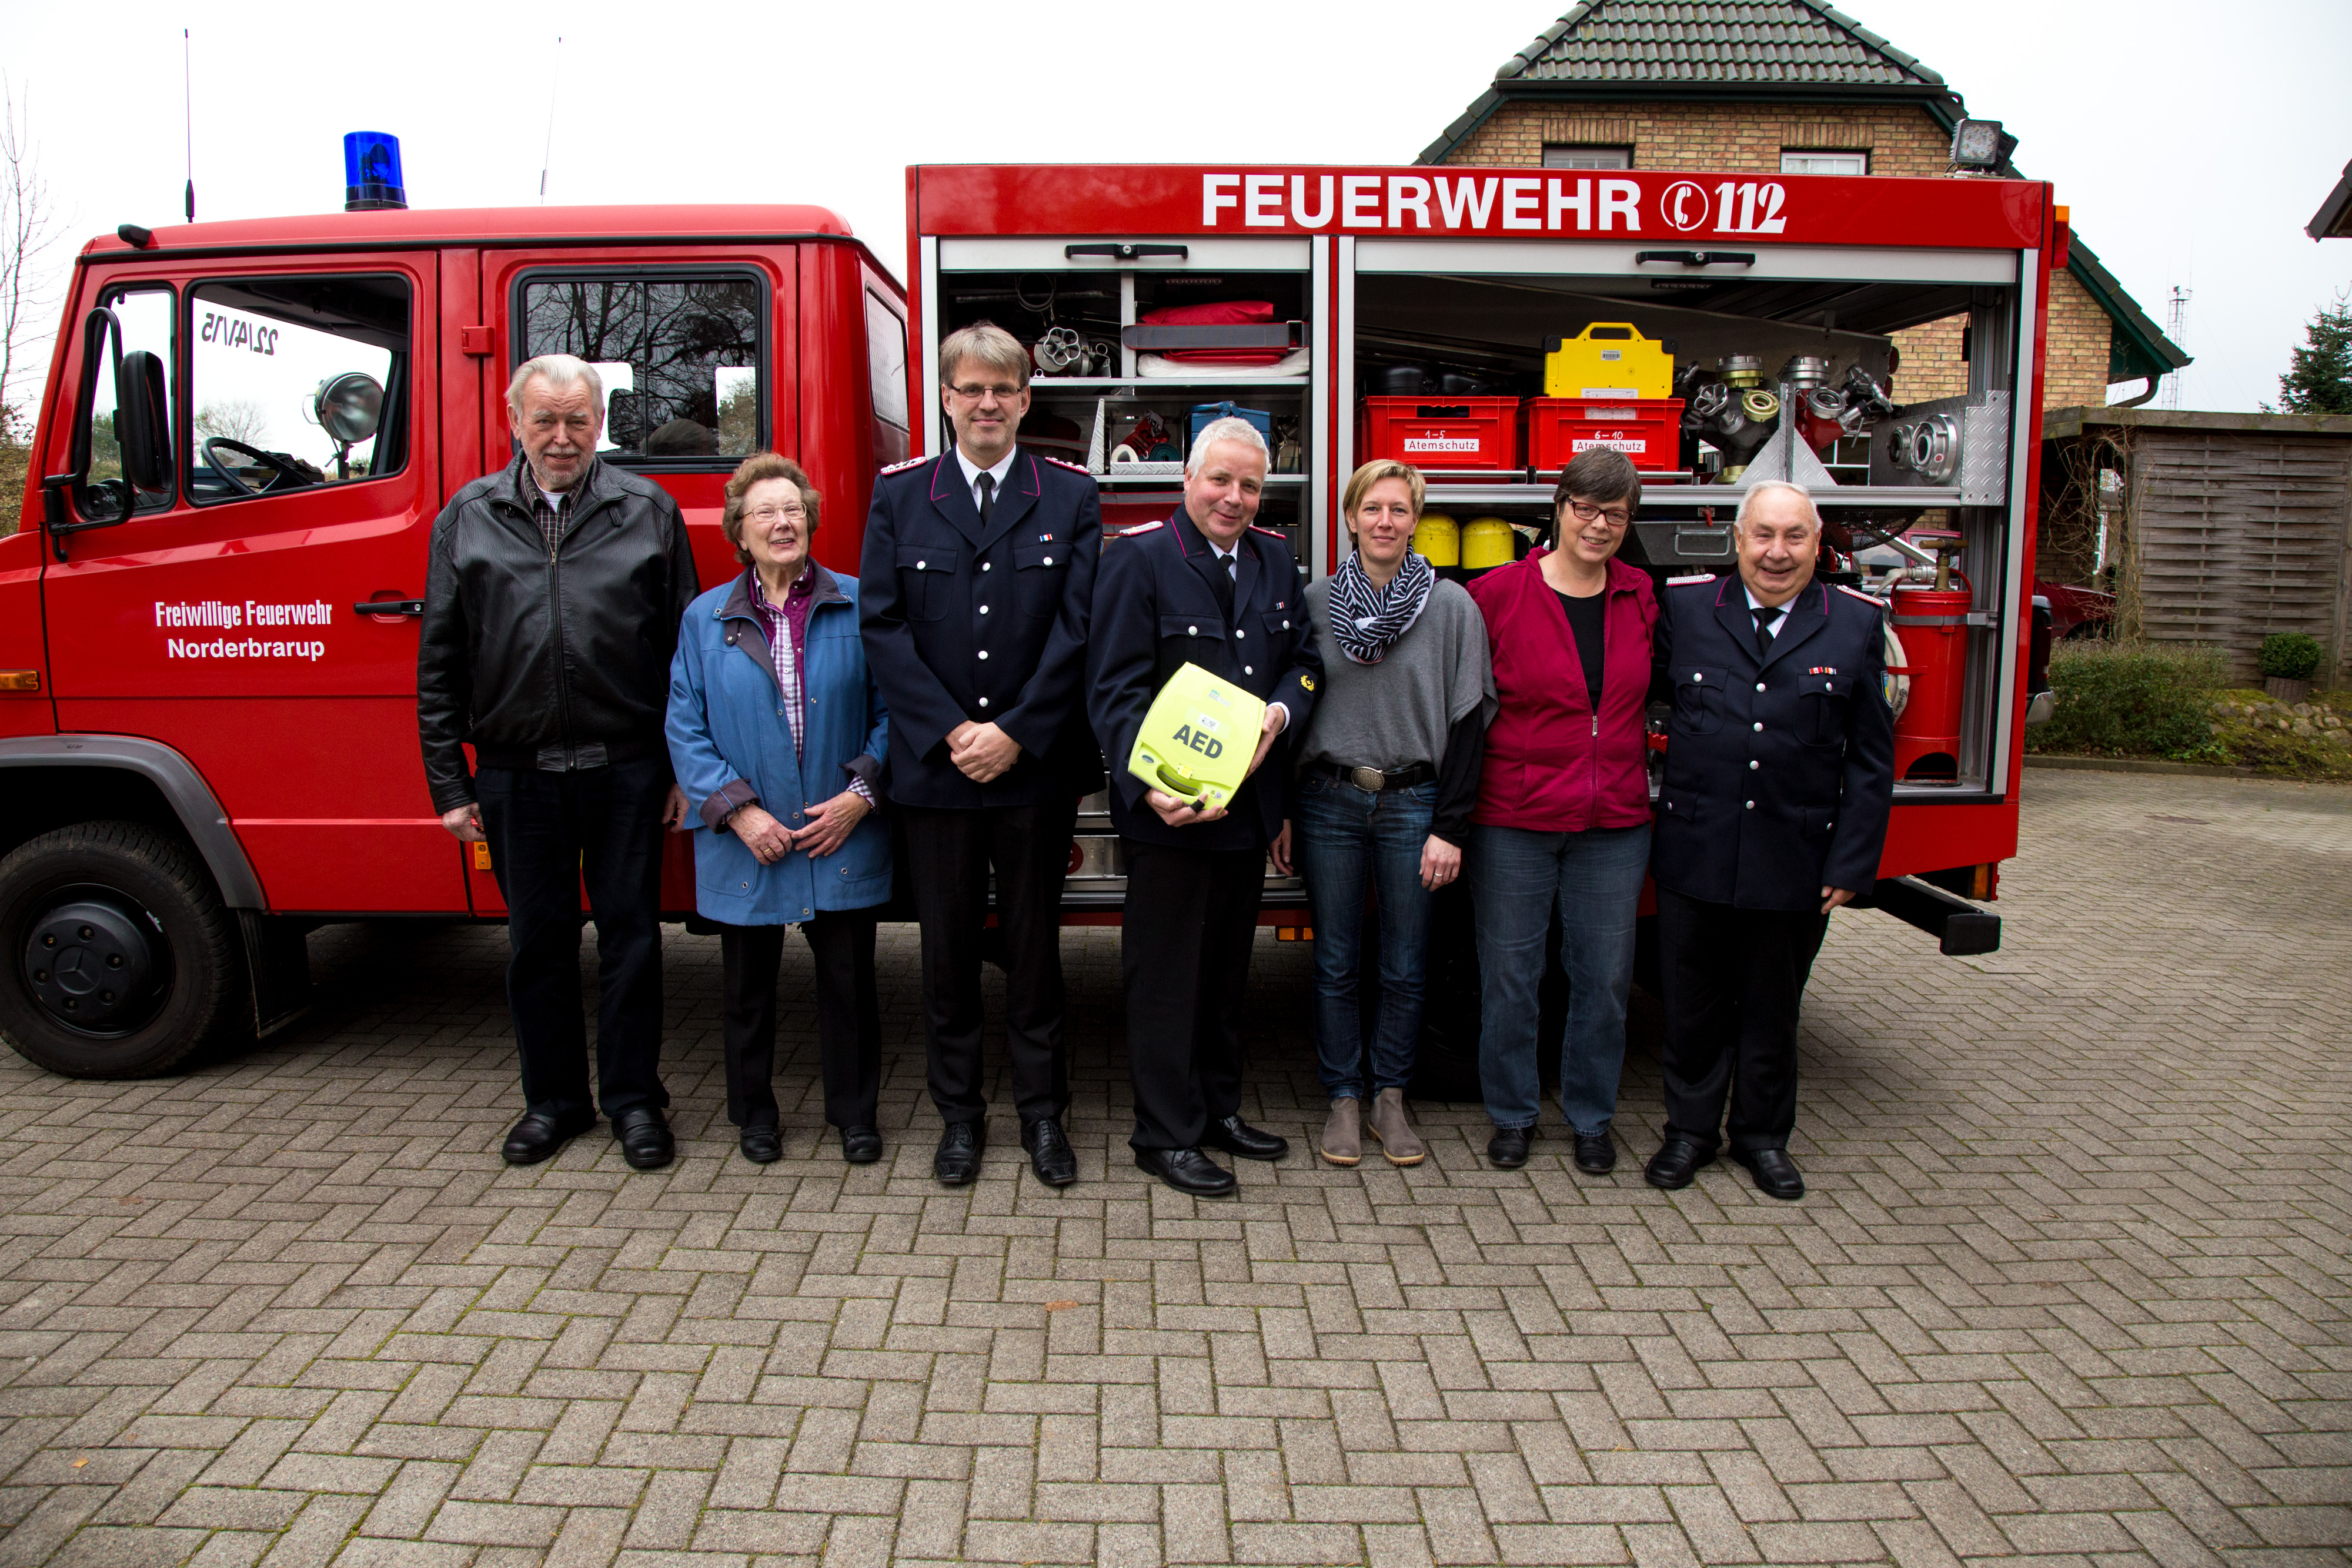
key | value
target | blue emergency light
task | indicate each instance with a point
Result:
(372, 178)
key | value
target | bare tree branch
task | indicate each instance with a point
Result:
(29, 233)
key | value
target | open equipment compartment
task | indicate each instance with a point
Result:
(1478, 274)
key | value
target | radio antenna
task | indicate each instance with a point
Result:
(548, 153)
(188, 102)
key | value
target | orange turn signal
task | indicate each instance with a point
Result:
(20, 680)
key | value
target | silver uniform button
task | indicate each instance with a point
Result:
(1239, 634)
(921, 565)
(1759, 729)
(1191, 631)
(1286, 625)
(984, 653)
(984, 610)
(984, 565)
(1751, 765)
(983, 701)
(1752, 805)
(1049, 560)
(1246, 670)
(1759, 686)
(1698, 675)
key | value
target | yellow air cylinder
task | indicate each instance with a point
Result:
(1486, 541)
(1438, 538)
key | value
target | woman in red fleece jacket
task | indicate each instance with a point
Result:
(1563, 816)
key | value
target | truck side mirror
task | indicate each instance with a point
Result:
(109, 500)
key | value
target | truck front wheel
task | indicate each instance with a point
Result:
(117, 957)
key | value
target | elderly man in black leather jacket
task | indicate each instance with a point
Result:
(551, 607)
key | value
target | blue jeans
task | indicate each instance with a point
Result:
(1518, 879)
(1344, 838)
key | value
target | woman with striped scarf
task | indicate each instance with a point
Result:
(1388, 776)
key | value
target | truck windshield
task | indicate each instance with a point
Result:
(681, 359)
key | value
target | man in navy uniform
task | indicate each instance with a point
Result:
(1779, 773)
(1203, 587)
(978, 569)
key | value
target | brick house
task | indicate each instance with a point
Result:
(1782, 86)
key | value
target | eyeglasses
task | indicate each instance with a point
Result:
(1588, 513)
(972, 391)
(769, 517)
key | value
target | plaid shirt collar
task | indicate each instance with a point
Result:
(553, 521)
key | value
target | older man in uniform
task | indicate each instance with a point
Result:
(978, 572)
(1780, 774)
(1204, 587)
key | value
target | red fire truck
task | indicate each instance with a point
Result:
(207, 613)
(208, 609)
(1484, 324)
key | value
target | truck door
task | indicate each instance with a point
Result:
(228, 617)
(696, 349)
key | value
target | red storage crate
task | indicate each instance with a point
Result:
(1480, 433)
(1647, 429)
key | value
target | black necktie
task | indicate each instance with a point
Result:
(1225, 584)
(987, 495)
(1765, 616)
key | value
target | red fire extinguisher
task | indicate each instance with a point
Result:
(1933, 624)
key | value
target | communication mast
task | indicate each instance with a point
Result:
(2176, 327)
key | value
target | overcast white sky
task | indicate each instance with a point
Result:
(2191, 141)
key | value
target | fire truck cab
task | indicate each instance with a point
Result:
(208, 611)
(1485, 324)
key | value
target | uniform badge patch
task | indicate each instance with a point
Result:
(1306, 683)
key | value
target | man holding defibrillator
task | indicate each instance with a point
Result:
(1208, 589)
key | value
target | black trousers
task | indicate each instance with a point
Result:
(1190, 922)
(1734, 980)
(849, 1017)
(949, 854)
(549, 833)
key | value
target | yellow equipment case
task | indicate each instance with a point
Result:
(1608, 359)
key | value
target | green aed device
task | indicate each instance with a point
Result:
(1198, 739)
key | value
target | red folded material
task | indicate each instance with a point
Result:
(1217, 313)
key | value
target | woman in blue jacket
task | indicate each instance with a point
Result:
(777, 732)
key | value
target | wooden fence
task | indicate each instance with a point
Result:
(2221, 527)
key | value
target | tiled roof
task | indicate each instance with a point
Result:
(1760, 43)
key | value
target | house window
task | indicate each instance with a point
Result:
(1576, 155)
(1798, 161)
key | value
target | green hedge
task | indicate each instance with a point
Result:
(2131, 699)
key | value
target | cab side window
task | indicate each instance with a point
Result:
(885, 371)
(146, 318)
(296, 383)
(682, 357)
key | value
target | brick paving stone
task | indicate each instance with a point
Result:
(2071, 1284)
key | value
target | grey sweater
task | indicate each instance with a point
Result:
(1396, 713)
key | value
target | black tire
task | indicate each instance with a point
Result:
(154, 904)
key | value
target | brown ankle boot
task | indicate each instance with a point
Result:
(1343, 1138)
(1398, 1141)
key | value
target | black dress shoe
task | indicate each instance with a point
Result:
(1776, 1173)
(1675, 1163)
(1596, 1153)
(1508, 1149)
(643, 1136)
(861, 1145)
(957, 1160)
(761, 1143)
(538, 1136)
(1187, 1170)
(1050, 1154)
(1236, 1136)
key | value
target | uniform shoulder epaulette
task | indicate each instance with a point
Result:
(1681, 581)
(1139, 528)
(903, 466)
(1270, 533)
(1870, 599)
(1066, 463)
